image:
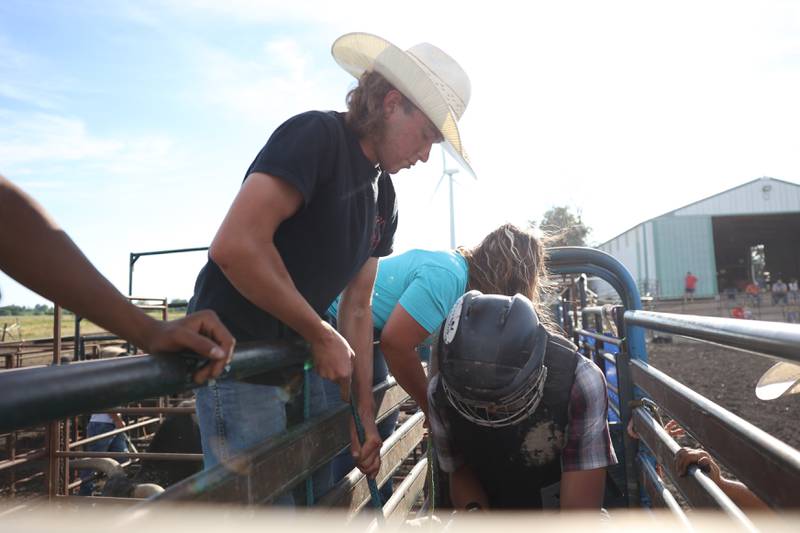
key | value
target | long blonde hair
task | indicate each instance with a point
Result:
(508, 261)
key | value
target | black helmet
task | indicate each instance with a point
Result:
(491, 355)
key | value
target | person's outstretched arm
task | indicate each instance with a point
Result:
(41, 256)
(735, 490)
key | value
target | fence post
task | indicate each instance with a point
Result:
(57, 475)
(625, 386)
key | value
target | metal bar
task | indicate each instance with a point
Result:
(113, 432)
(406, 494)
(35, 395)
(134, 256)
(278, 464)
(22, 459)
(625, 396)
(695, 485)
(31, 477)
(131, 455)
(599, 337)
(352, 491)
(777, 340)
(100, 499)
(660, 494)
(610, 357)
(176, 251)
(759, 460)
(574, 259)
(664, 449)
(12, 455)
(154, 410)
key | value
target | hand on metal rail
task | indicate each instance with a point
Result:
(201, 332)
(685, 457)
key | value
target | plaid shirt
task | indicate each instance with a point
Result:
(587, 442)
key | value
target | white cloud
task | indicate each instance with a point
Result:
(35, 137)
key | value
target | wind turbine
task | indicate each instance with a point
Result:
(449, 172)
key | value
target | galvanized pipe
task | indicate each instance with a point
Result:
(131, 455)
(757, 458)
(22, 459)
(774, 339)
(597, 336)
(101, 436)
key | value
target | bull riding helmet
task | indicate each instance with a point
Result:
(491, 358)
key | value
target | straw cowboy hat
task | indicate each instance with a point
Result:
(428, 77)
(780, 380)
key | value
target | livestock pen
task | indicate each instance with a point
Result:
(768, 466)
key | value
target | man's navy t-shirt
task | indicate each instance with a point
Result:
(349, 214)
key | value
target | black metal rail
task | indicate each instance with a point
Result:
(40, 394)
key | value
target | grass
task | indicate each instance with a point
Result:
(41, 326)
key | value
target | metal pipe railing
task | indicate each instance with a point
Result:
(579, 260)
(598, 337)
(774, 339)
(113, 432)
(32, 396)
(758, 459)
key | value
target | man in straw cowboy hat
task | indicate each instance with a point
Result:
(315, 212)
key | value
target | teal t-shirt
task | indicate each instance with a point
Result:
(426, 283)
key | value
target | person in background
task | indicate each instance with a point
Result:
(100, 423)
(689, 286)
(794, 292)
(36, 252)
(779, 292)
(753, 293)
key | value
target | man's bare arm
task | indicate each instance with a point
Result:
(355, 323)
(245, 251)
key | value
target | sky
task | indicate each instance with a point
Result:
(133, 123)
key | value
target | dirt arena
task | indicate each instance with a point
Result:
(728, 377)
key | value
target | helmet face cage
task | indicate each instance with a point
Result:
(506, 411)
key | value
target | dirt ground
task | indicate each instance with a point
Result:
(728, 377)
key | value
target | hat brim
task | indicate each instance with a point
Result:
(357, 53)
(780, 380)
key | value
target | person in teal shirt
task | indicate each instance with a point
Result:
(415, 290)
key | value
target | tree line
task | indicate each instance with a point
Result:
(23, 310)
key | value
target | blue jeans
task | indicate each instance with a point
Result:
(343, 463)
(234, 416)
(115, 443)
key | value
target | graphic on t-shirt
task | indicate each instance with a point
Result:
(377, 232)
(542, 443)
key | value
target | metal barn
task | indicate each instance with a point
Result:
(749, 232)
